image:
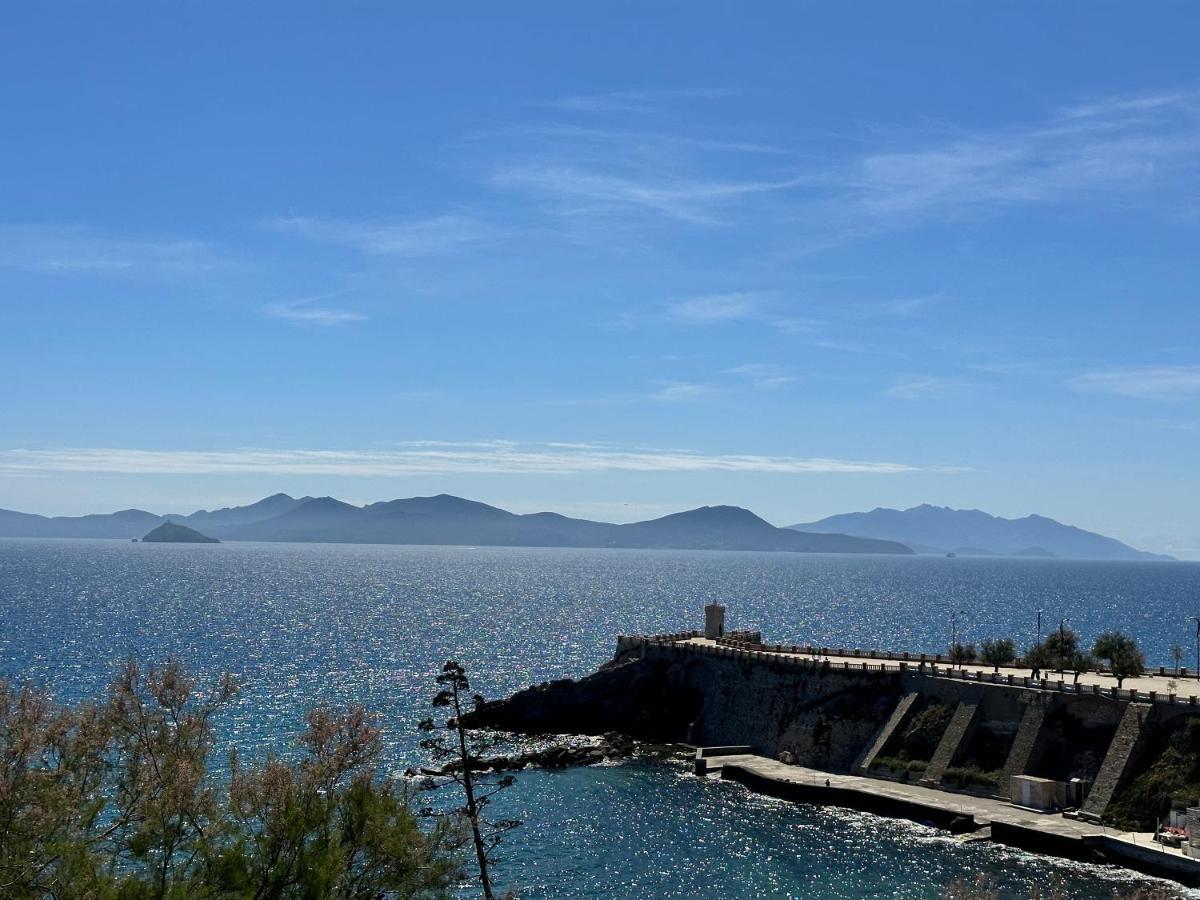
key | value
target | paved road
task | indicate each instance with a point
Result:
(1163, 685)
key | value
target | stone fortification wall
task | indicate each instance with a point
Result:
(828, 715)
(664, 689)
(822, 716)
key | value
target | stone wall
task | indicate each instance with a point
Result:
(828, 716)
(823, 717)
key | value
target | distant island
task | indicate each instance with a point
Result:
(450, 520)
(174, 533)
(972, 532)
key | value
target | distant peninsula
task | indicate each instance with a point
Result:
(972, 532)
(174, 533)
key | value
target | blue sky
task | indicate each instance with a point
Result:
(610, 259)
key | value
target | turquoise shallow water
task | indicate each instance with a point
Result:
(307, 623)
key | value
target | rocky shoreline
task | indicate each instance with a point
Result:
(566, 752)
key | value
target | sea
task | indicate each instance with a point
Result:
(302, 624)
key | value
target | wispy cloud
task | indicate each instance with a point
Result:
(741, 306)
(903, 308)
(622, 177)
(921, 387)
(305, 312)
(1144, 382)
(680, 391)
(644, 142)
(428, 458)
(712, 309)
(1106, 146)
(639, 102)
(80, 250)
(766, 376)
(573, 191)
(413, 237)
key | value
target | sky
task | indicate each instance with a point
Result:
(614, 260)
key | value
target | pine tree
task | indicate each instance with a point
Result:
(463, 750)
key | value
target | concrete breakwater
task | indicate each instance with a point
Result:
(897, 723)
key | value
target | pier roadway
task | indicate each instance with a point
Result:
(1039, 831)
(1183, 688)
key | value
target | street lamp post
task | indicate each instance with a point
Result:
(1039, 640)
(954, 635)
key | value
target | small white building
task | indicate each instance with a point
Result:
(1037, 793)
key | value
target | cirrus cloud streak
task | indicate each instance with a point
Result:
(429, 458)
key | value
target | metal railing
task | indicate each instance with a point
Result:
(937, 666)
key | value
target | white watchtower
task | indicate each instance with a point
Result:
(714, 621)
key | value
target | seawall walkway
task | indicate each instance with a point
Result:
(1012, 825)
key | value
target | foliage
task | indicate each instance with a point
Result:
(964, 776)
(116, 799)
(919, 738)
(903, 769)
(1122, 654)
(998, 652)
(1038, 657)
(1081, 662)
(1175, 774)
(464, 749)
(962, 653)
(1061, 646)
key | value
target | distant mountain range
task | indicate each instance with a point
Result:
(445, 519)
(971, 532)
(450, 520)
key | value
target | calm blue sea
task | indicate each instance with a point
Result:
(311, 623)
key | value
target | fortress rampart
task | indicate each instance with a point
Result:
(891, 732)
(896, 716)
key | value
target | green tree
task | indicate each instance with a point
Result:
(328, 826)
(462, 750)
(117, 800)
(1039, 657)
(1121, 652)
(997, 652)
(961, 653)
(1081, 662)
(1061, 645)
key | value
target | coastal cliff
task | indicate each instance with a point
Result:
(662, 693)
